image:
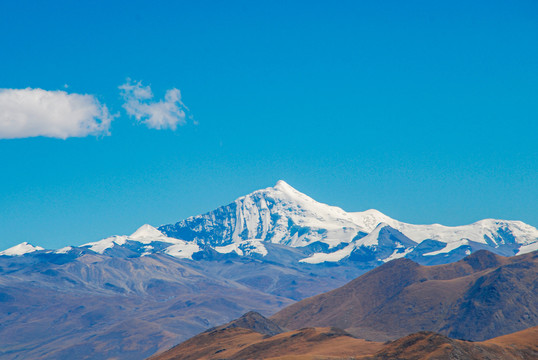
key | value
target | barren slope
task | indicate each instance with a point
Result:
(239, 343)
(479, 297)
(331, 343)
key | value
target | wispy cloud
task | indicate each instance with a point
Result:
(57, 114)
(167, 114)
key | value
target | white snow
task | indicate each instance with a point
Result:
(285, 216)
(332, 225)
(397, 254)
(183, 250)
(147, 234)
(101, 245)
(335, 256)
(64, 250)
(246, 247)
(475, 232)
(21, 249)
(372, 239)
(287, 205)
(234, 247)
(449, 247)
(525, 249)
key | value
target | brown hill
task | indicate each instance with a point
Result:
(252, 321)
(236, 343)
(428, 345)
(477, 298)
(239, 343)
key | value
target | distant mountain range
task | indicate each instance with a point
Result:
(322, 233)
(159, 286)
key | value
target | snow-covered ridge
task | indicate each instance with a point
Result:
(384, 243)
(147, 234)
(247, 247)
(21, 249)
(323, 233)
(280, 215)
(488, 231)
(283, 215)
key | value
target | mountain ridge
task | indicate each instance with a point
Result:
(470, 299)
(325, 234)
(313, 343)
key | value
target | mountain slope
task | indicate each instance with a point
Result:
(427, 345)
(238, 343)
(80, 304)
(283, 215)
(53, 306)
(479, 297)
(252, 321)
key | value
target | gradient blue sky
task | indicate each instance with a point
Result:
(424, 110)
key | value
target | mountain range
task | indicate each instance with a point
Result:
(484, 297)
(133, 295)
(322, 233)
(477, 298)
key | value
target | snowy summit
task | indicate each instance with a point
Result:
(21, 249)
(285, 217)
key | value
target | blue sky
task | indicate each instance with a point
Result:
(426, 111)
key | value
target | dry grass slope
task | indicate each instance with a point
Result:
(331, 343)
(477, 298)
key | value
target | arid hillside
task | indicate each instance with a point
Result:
(477, 298)
(238, 343)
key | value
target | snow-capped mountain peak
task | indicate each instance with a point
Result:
(372, 239)
(21, 249)
(278, 214)
(146, 232)
(285, 216)
(284, 186)
(318, 232)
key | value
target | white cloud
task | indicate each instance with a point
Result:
(57, 114)
(167, 114)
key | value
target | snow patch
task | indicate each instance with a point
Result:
(336, 256)
(397, 254)
(183, 250)
(108, 243)
(449, 247)
(64, 250)
(146, 234)
(246, 247)
(525, 249)
(21, 249)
